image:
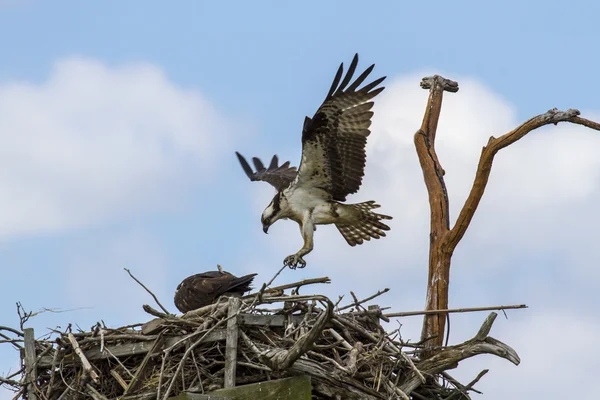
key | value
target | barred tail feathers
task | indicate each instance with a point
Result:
(358, 223)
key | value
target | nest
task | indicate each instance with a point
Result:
(262, 337)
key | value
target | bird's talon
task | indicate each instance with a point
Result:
(294, 262)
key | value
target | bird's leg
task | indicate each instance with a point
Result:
(307, 228)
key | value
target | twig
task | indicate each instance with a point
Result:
(16, 332)
(299, 284)
(454, 310)
(147, 290)
(10, 382)
(23, 315)
(412, 365)
(274, 277)
(94, 393)
(154, 312)
(339, 338)
(356, 303)
(185, 356)
(52, 372)
(84, 361)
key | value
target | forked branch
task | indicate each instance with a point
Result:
(443, 238)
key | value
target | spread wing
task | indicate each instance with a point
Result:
(333, 141)
(280, 176)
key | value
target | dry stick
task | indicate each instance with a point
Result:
(119, 379)
(16, 332)
(356, 303)
(454, 310)
(412, 365)
(463, 389)
(283, 359)
(147, 290)
(19, 394)
(274, 277)
(10, 382)
(258, 295)
(185, 356)
(18, 372)
(474, 381)
(84, 361)
(52, 372)
(154, 312)
(118, 362)
(299, 284)
(339, 338)
(142, 369)
(94, 393)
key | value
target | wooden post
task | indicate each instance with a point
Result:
(294, 388)
(231, 342)
(30, 368)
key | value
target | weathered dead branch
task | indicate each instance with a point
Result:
(443, 238)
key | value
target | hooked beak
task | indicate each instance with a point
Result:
(265, 228)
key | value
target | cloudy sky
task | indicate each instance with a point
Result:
(119, 122)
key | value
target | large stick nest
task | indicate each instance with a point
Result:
(345, 350)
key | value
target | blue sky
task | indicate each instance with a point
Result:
(119, 122)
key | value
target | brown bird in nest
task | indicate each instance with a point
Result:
(203, 289)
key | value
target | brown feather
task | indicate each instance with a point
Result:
(334, 140)
(203, 289)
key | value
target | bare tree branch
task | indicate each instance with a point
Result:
(443, 239)
(484, 168)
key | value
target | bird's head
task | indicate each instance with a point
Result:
(272, 213)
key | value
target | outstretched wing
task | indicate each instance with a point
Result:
(333, 141)
(278, 176)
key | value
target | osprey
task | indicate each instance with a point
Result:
(331, 168)
(203, 289)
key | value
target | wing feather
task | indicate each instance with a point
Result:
(334, 140)
(279, 177)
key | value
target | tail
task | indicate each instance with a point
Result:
(241, 284)
(358, 223)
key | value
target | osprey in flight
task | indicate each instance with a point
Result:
(331, 168)
(203, 289)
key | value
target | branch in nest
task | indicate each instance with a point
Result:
(84, 361)
(454, 310)
(358, 302)
(452, 355)
(278, 359)
(147, 290)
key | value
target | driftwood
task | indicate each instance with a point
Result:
(262, 337)
(443, 238)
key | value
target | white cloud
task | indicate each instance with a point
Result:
(93, 142)
(532, 240)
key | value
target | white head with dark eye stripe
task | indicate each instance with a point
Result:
(273, 212)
